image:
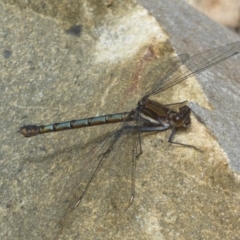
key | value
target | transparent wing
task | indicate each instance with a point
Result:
(193, 65)
(162, 69)
(114, 159)
(121, 167)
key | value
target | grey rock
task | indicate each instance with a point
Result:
(57, 71)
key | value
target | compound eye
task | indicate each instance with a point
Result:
(178, 120)
(187, 122)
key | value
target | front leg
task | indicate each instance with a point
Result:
(170, 140)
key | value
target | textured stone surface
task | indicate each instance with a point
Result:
(221, 83)
(61, 62)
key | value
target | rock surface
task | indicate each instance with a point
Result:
(67, 61)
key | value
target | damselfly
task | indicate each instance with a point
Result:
(148, 115)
